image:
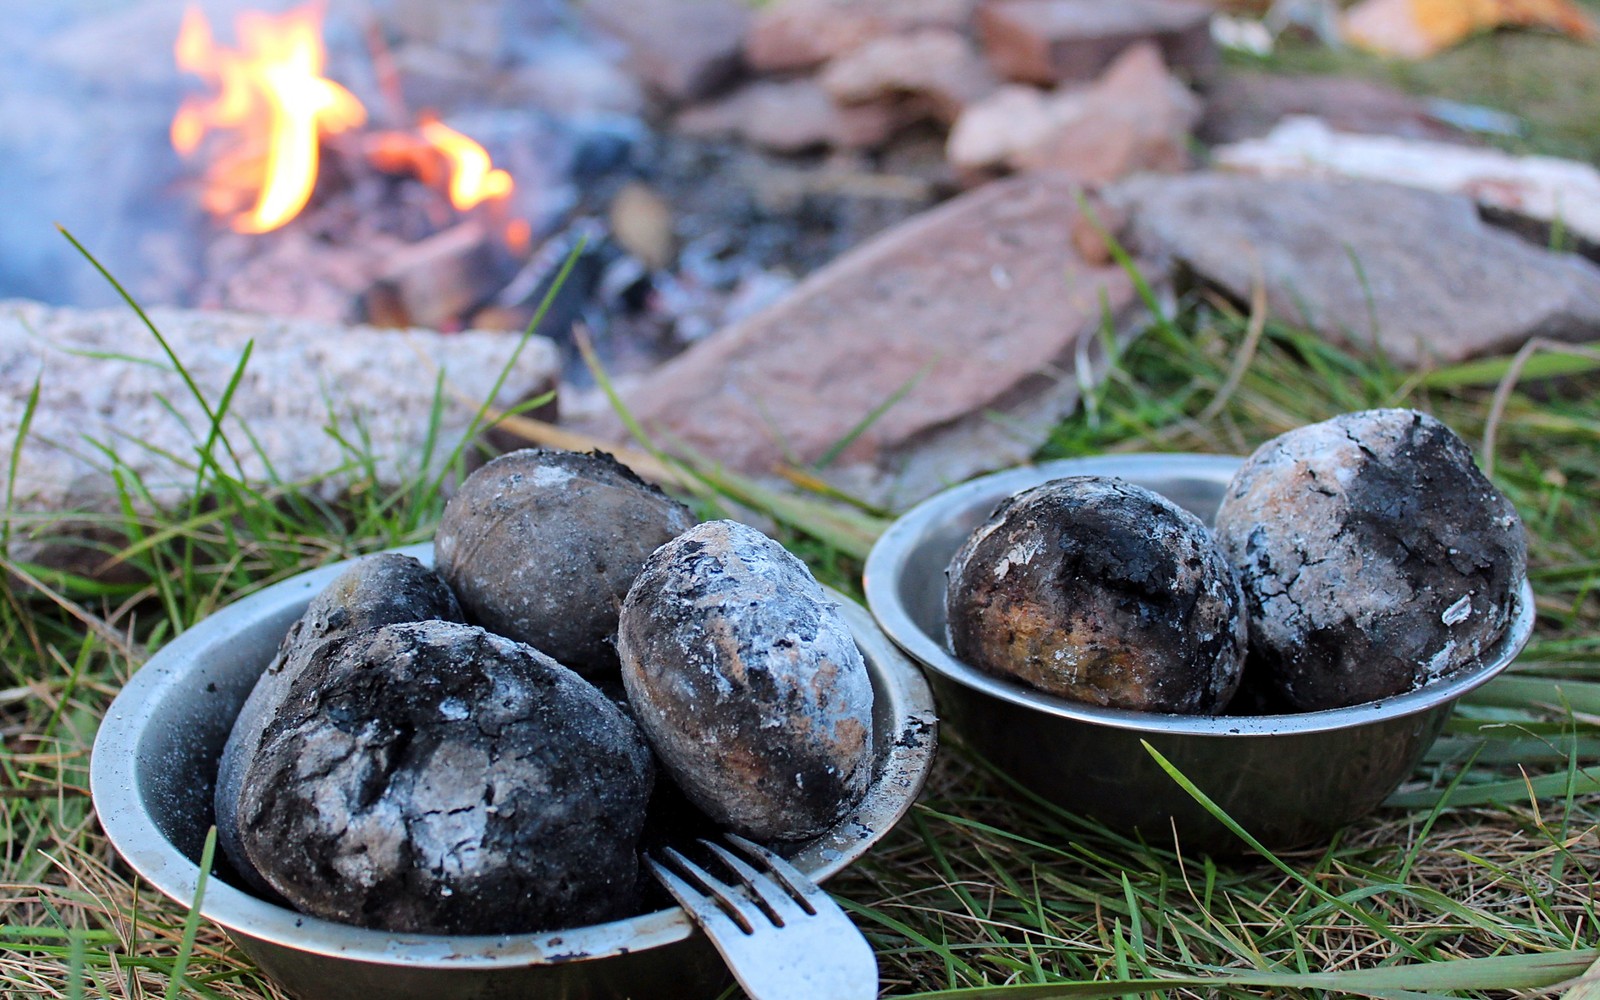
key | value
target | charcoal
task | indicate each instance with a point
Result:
(747, 682)
(1102, 592)
(433, 777)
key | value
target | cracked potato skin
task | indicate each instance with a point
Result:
(1374, 555)
(434, 778)
(748, 683)
(384, 589)
(1103, 592)
(541, 546)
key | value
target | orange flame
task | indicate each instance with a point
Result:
(471, 178)
(441, 157)
(272, 90)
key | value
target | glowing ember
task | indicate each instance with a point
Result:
(272, 91)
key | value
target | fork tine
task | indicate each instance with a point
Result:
(772, 895)
(800, 888)
(726, 897)
(818, 955)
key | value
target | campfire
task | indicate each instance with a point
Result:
(278, 140)
(277, 108)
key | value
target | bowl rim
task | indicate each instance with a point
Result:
(114, 788)
(886, 564)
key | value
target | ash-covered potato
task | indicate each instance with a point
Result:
(436, 778)
(1103, 592)
(1374, 555)
(384, 589)
(542, 545)
(747, 683)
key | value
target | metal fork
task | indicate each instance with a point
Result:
(781, 935)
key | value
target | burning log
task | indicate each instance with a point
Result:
(438, 281)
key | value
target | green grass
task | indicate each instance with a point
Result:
(1551, 82)
(1478, 880)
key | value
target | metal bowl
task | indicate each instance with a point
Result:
(154, 769)
(1289, 780)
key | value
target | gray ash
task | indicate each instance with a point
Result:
(384, 589)
(748, 683)
(542, 545)
(434, 778)
(1374, 555)
(1102, 592)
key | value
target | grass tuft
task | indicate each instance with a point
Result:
(1477, 879)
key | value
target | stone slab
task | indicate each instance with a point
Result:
(1056, 41)
(1563, 194)
(939, 65)
(1245, 104)
(791, 35)
(1415, 274)
(1135, 117)
(978, 315)
(104, 383)
(790, 116)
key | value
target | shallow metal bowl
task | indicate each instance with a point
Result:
(154, 769)
(1288, 779)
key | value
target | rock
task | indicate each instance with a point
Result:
(641, 222)
(1414, 273)
(1556, 192)
(1051, 41)
(975, 318)
(1245, 105)
(790, 116)
(788, 35)
(99, 371)
(685, 50)
(938, 65)
(1135, 117)
(990, 133)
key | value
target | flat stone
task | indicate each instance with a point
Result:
(1052, 41)
(790, 35)
(1137, 116)
(937, 65)
(101, 374)
(976, 318)
(790, 116)
(1560, 194)
(1416, 274)
(682, 49)
(1244, 105)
